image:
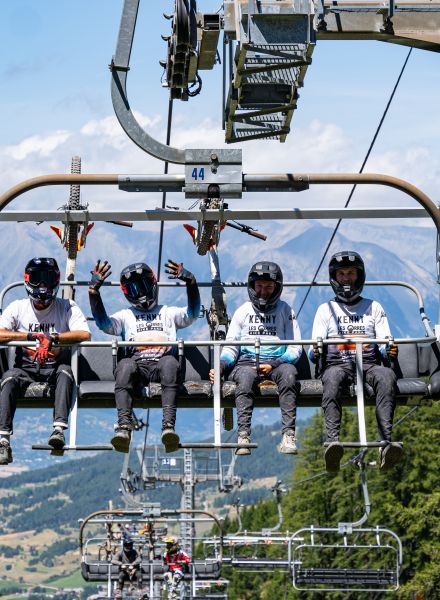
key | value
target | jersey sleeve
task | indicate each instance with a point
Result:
(230, 354)
(77, 320)
(117, 326)
(183, 316)
(292, 332)
(381, 325)
(320, 326)
(8, 319)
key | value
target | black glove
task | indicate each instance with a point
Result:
(178, 271)
(316, 353)
(99, 275)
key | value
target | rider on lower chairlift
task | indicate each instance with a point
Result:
(350, 315)
(272, 319)
(145, 321)
(128, 561)
(55, 323)
(175, 562)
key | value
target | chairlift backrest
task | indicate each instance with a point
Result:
(407, 363)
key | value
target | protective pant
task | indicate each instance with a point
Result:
(173, 579)
(131, 375)
(245, 376)
(14, 383)
(381, 379)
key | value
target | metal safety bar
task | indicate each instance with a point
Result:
(235, 284)
(210, 214)
(287, 182)
(217, 345)
(158, 515)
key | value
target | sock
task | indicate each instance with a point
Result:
(4, 439)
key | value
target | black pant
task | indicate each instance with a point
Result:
(246, 377)
(131, 374)
(381, 379)
(124, 576)
(15, 381)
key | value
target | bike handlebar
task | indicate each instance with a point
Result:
(247, 229)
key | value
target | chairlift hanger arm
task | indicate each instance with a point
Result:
(119, 67)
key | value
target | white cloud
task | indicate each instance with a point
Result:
(105, 148)
(37, 144)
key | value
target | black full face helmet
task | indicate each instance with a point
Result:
(343, 260)
(42, 280)
(139, 284)
(127, 544)
(268, 271)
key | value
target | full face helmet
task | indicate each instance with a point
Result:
(342, 260)
(127, 544)
(172, 544)
(42, 280)
(139, 284)
(268, 271)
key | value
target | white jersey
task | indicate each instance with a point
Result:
(365, 318)
(278, 324)
(155, 325)
(62, 315)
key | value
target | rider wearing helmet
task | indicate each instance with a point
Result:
(175, 561)
(270, 318)
(350, 315)
(51, 322)
(145, 321)
(128, 561)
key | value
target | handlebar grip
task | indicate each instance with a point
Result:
(122, 223)
(258, 235)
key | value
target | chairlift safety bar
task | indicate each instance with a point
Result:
(217, 346)
(171, 215)
(237, 284)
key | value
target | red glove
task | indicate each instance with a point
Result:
(44, 346)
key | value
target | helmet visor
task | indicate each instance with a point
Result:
(138, 285)
(38, 277)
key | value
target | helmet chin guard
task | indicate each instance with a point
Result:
(343, 260)
(267, 271)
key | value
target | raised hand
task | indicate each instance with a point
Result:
(177, 271)
(99, 274)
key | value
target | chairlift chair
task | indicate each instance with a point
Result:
(324, 561)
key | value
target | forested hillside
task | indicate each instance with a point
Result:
(405, 500)
(58, 496)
